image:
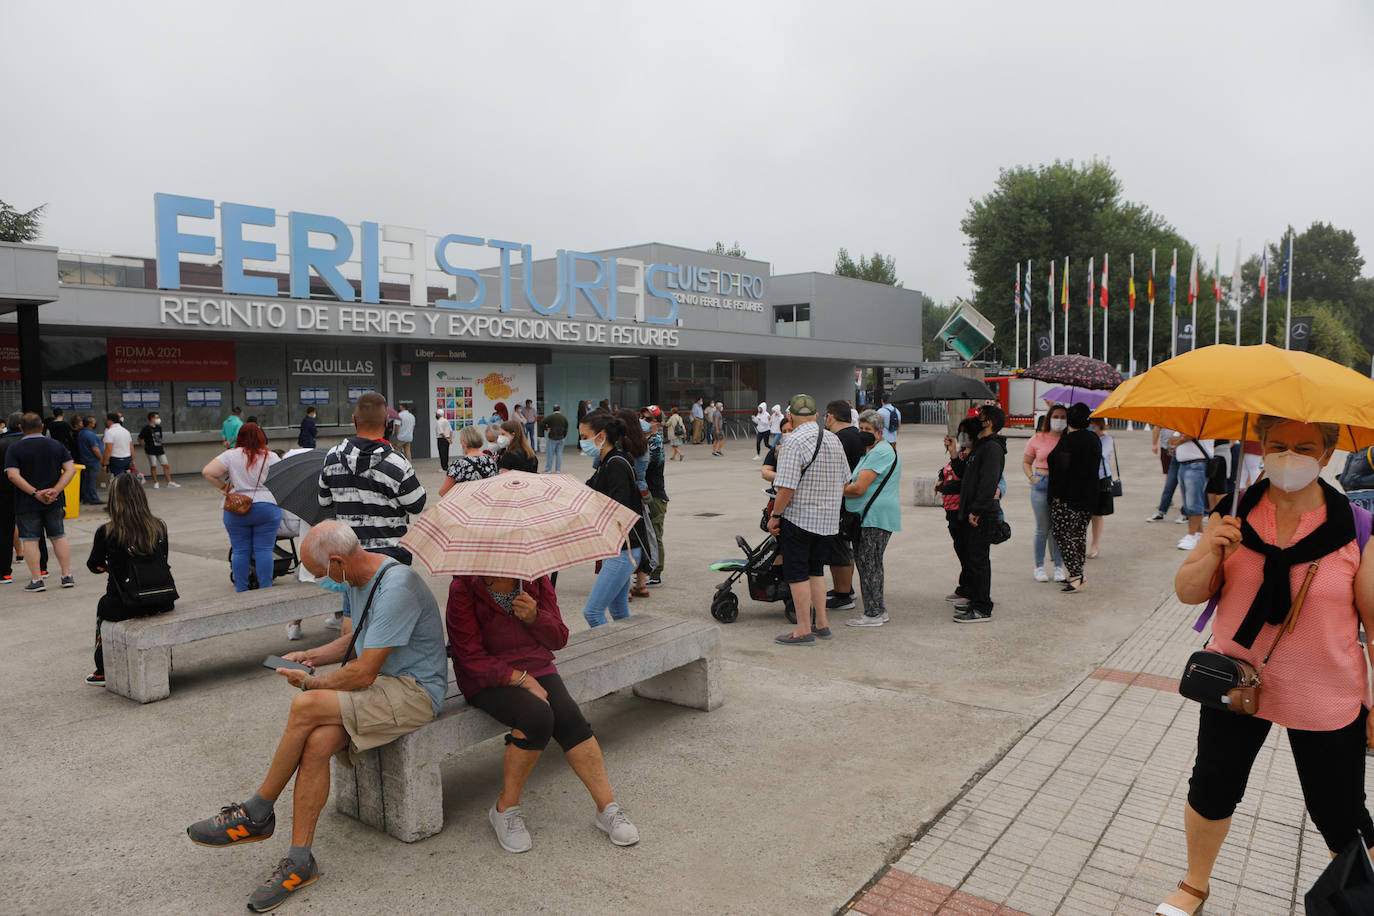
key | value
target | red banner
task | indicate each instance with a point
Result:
(135, 360)
(9, 357)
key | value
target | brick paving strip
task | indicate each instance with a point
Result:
(1084, 815)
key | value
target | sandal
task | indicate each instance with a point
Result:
(1168, 909)
(1070, 587)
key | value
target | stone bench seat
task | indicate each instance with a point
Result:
(397, 787)
(138, 652)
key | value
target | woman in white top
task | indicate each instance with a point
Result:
(775, 425)
(763, 428)
(242, 470)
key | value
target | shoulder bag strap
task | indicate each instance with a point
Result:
(1291, 620)
(366, 608)
(1116, 461)
(876, 493)
(820, 433)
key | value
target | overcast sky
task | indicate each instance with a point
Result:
(796, 128)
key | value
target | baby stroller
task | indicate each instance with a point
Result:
(284, 559)
(764, 575)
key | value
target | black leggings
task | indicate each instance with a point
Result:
(516, 707)
(760, 440)
(1330, 769)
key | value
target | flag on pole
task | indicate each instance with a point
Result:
(1026, 296)
(1016, 297)
(1285, 267)
(1065, 297)
(1130, 286)
(1264, 272)
(1192, 280)
(1150, 283)
(1235, 280)
(1216, 277)
(1104, 280)
(1173, 277)
(1092, 284)
(1049, 298)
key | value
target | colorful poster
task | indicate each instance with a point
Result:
(480, 393)
(134, 360)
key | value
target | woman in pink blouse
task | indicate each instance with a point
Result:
(1315, 684)
(502, 635)
(1035, 465)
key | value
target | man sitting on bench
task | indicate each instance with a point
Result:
(392, 685)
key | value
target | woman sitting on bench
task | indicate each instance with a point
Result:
(502, 636)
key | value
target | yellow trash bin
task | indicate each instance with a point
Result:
(73, 494)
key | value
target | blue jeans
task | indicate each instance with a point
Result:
(1193, 477)
(1166, 499)
(252, 536)
(89, 493)
(554, 463)
(529, 437)
(118, 466)
(611, 590)
(1040, 505)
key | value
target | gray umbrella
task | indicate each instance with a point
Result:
(943, 386)
(294, 482)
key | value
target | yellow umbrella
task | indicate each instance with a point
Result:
(1217, 392)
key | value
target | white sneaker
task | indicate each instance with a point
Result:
(614, 823)
(174, 485)
(863, 620)
(333, 622)
(1181, 520)
(1189, 541)
(757, 458)
(1041, 575)
(510, 828)
(1061, 574)
(293, 631)
(156, 485)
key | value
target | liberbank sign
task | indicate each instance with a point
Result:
(322, 245)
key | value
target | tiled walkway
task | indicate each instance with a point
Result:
(1084, 815)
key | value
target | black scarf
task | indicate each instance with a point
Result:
(1275, 596)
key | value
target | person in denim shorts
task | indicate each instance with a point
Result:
(39, 469)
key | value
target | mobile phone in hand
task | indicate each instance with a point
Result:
(276, 661)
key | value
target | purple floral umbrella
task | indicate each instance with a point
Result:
(1070, 395)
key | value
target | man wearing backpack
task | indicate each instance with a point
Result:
(892, 420)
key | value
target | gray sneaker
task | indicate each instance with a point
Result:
(286, 879)
(863, 620)
(230, 827)
(615, 824)
(510, 829)
(36, 585)
(969, 615)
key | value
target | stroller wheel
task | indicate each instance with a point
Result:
(725, 607)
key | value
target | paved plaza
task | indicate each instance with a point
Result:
(1035, 763)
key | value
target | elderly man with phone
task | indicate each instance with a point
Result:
(393, 684)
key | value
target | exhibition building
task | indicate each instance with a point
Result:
(280, 312)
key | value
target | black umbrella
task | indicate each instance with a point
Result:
(943, 386)
(1347, 885)
(295, 483)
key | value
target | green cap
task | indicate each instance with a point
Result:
(802, 405)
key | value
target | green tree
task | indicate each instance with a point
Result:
(878, 269)
(20, 227)
(733, 251)
(1042, 214)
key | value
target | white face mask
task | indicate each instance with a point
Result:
(1059, 424)
(502, 441)
(964, 441)
(1289, 471)
(157, 421)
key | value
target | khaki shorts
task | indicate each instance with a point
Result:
(381, 713)
(155, 460)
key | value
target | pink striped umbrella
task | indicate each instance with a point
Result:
(519, 525)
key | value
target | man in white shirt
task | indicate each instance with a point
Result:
(119, 453)
(405, 430)
(890, 414)
(1191, 456)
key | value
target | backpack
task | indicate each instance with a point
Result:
(894, 419)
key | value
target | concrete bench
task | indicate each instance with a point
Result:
(923, 491)
(138, 652)
(397, 787)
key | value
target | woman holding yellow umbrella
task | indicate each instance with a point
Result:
(1292, 586)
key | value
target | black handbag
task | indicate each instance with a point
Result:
(851, 523)
(147, 585)
(1346, 888)
(1231, 684)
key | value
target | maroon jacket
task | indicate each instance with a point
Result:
(486, 644)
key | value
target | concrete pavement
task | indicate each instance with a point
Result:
(821, 768)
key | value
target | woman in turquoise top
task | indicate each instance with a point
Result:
(873, 493)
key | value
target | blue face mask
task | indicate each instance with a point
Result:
(590, 448)
(330, 585)
(644, 425)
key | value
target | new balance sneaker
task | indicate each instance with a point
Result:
(36, 585)
(969, 615)
(230, 827)
(1041, 575)
(68, 582)
(837, 602)
(293, 631)
(863, 620)
(1157, 517)
(286, 879)
(615, 824)
(510, 829)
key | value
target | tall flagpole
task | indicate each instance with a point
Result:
(1130, 332)
(1016, 307)
(1192, 297)
(1264, 293)
(1092, 284)
(1050, 302)
(1105, 314)
(1216, 290)
(1173, 306)
(1066, 306)
(1288, 318)
(1027, 303)
(1235, 291)
(1150, 339)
